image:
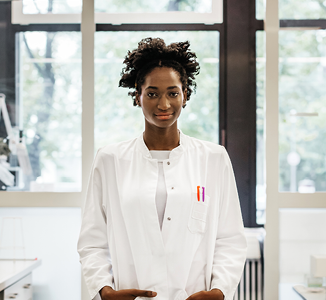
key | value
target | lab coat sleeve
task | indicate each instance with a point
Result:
(230, 246)
(93, 243)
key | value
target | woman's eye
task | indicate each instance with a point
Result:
(174, 94)
(151, 95)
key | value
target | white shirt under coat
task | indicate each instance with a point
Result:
(161, 192)
(201, 245)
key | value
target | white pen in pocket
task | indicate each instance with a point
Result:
(200, 193)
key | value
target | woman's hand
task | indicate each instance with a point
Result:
(214, 294)
(107, 293)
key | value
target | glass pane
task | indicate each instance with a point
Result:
(260, 128)
(298, 241)
(52, 6)
(302, 111)
(142, 6)
(260, 9)
(116, 119)
(302, 9)
(48, 110)
(48, 234)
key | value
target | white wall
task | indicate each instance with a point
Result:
(302, 233)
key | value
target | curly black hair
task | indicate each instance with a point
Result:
(152, 53)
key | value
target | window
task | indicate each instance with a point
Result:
(115, 6)
(302, 111)
(301, 104)
(48, 95)
(260, 119)
(119, 12)
(300, 9)
(224, 106)
(54, 6)
(49, 110)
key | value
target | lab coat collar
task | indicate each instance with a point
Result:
(175, 153)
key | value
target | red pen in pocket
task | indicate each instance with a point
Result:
(198, 192)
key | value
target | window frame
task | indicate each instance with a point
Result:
(276, 200)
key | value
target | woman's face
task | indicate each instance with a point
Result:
(162, 97)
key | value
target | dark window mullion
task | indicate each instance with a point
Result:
(158, 27)
(46, 27)
(7, 63)
(319, 23)
(240, 30)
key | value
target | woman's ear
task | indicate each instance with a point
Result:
(137, 98)
(184, 97)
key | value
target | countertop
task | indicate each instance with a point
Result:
(286, 292)
(13, 270)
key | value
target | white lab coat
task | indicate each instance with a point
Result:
(202, 243)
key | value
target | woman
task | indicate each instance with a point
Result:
(162, 216)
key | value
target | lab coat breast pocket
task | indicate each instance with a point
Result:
(198, 214)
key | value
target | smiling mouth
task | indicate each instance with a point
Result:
(164, 117)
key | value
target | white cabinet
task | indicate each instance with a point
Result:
(20, 290)
(16, 278)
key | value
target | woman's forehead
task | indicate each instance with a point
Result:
(163, 76)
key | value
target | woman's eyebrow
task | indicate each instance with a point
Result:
(156, 88)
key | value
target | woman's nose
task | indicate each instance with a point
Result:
(163, 103)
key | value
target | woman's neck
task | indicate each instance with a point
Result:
(157, 138)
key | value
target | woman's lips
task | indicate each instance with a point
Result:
(164, 117)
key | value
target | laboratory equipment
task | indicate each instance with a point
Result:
(16, 145)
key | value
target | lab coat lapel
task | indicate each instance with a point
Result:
(140, 217)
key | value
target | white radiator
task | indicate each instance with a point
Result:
(251, 283)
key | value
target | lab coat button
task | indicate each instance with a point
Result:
(168, 163)
(172, 188)
(169, 219)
